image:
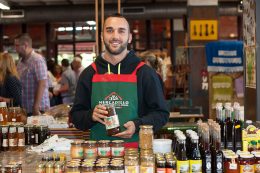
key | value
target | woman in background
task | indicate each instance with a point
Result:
(10, 86)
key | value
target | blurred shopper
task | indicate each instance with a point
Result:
(67, 83)
(77, 65)
(10, 86)
(57, 72)
(33, 73)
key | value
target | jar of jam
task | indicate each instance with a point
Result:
(231, 163)
(29, 134)
(102, 168)
(73, 168)
(117, 148)
(117, 168)
(112, 121)
(246, 163)
(104, 149)
(76, 150)
(146, 137)
(87, 168)
(257, 162)
(90, 149)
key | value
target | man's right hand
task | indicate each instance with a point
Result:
(99, 113)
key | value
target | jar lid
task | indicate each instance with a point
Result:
(246, 156)
(118, 141)
(257, 154)
(146, 126)
(90, 142)
(73, 165)
(231, 156)
(104, 141)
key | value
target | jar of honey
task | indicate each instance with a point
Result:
(247, 163)
(117, 148)
(146, 137)
(231, 164)
(76, 150)
(104, 149)
(90, 149)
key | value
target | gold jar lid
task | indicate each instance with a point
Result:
(146, 126)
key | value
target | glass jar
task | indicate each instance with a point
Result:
(257, 162)
(87, 168)
(104, 149)
(14, 113)
(117, 168)
(12, 138)
(132, 163)
(246, 163)
(171, 165)
(4, 137)
(102, 168)
(76, 150)
(147, 163)
(49, 167)
(90, 149)
(231, 164)
(117, 148)
(20, 138)
(161, 165)
(146, 137)
(73, 168)
(112, 121)
(29, 134)
(40, 167)
(3, 113)
(59, 167)
(41, 132)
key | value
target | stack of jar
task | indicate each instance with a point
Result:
(11, 167)
(50, 167)
(165, 163)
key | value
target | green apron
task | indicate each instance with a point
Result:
(117, 89)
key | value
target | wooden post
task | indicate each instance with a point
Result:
(97, 27)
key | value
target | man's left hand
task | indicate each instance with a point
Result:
(130, 130)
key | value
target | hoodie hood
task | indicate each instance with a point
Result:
(127, 65)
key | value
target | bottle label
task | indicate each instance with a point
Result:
(104, 151)
(219, 164)
(112, 122)
(131, 169)
(170, 170)
(161, 170)
(183, 166)
(36, 138)
(90, 152)
(5, 143)
(1, 117)
(247, 168)
(230, 145)
(238, 145)
(257, 168)
(147, 169)
(21, 142)
(196, 166)
(117, 171)
(118, 151)
(12, 142)
(208, 163)
(13, 119)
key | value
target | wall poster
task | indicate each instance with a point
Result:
(250, 67)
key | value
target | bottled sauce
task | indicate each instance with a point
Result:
(161, 165)
(90, 149)
(247, 163)
(5, 138)
(182, 160)
(207, 161)
(217, 155)
(21, 139)
(195, 156)
(3, 113)
(117, 148)
(231, 163)
(12, 138)
(112, 121)
(146, 137)
(229, 129)
(76, 150)
(171, 166)
(238, 129)
(104, 149)
(29, 134)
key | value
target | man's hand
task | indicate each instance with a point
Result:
(36, 110)
(99, 113)
(128, 133)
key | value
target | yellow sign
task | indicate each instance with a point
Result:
(203, 29)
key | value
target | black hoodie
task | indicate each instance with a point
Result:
(152, 109)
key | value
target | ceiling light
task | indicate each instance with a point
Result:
(91, 22)
(4, 5)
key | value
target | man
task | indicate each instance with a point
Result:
(67, 82)
(119, 77)
(33, 75)
(77, 66)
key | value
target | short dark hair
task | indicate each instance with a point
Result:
(119, 16)
(65, 62)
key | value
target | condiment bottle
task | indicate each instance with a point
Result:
(217, 154)
(21, 138)
(147, 163)
(112, 121)
(182, 160)
(238, 128)
(146, 137)
(229, 129)
(161, 165)
(195, 156)
(207, 161)
(12, 138)
(5, 138)
(3, 113)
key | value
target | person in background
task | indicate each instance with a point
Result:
(67, 83)
(57, 72)
(10, 85)
(33, 73)
(77, 65)
(119, 77)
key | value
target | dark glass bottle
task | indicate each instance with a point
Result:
(182, 159)
(112, 121)
(195, 155)
(229, 129)
(5, 144)
(207, 157)
(237, 132)
(217, 154)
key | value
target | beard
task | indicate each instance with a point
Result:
(116, 51)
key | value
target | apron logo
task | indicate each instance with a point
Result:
(115, 99)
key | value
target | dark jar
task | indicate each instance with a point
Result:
(231, 164)
(29, 134)
(112, 121)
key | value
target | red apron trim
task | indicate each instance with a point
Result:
(114, 78)
(131, 145)
(138, 66)
(94, 66)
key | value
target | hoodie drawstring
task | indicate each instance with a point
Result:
(118, 70)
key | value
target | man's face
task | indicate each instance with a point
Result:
(20, 48)
(116, 35)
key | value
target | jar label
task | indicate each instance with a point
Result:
(5, 143)
(104, 151)
(90, 152)
(12, 142)
(219, 164)
(161, 170)
(257, 168)
(118, 151)
(13, 119)
(111, 122)
(1, 117)
(131, 169)
(183, 166)
(232, 166)
(208, 163)
(247, 169)
(147, 169)
(170, 170)
(196, 166)
(76, 152)
(36, 138)
(117, 171)
(21, 142)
